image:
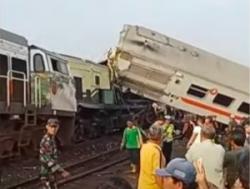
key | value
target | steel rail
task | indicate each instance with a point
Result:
(91, 171)
(35, 181)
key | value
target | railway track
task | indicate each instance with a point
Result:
(18, 170)
(81, 168)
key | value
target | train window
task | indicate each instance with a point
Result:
(3, 64)
(38, 63)
(64, 68)
(223, 100)
(59, 66)
(244, 108)
(197, 91)
(55, 65)
(20, 66)
(97, 80)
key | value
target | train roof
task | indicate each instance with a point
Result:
(71, 57)
(51, 53)
(12, 37)
(79, 60)
(187, 58)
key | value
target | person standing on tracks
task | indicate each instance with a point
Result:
(211, 154)
(151, 158)
(132, 141)
(187, 131)
(168, 137)
(137, 124)
(246, 125)
(231, 160)
(48, 156)
(196, 136)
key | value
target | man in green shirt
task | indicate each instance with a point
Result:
(132, 142)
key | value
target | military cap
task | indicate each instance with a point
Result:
(53, 122)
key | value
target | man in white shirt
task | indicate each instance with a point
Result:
(196, 136)
(211, 154)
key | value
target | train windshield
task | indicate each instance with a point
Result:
(19, 65)
(59, 66)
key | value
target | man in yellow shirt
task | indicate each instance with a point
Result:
(151, 159)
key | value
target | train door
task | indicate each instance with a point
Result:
(39, 78)
(17, 81)
(95, 86)
(78, 85)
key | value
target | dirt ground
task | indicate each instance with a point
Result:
(121, 170)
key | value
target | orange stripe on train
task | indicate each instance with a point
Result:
(207, 107)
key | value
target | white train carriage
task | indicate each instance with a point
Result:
(175, 73)
(14, 72)
(35, 84)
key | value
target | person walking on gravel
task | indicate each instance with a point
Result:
(168, 137)
(48, 157)
(151, 158)
(132, 141)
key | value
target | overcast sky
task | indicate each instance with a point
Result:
(88, 28)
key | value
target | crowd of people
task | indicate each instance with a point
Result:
(208, 163)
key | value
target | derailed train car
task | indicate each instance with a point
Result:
(102, 107)
(172, 72)
(34, 84)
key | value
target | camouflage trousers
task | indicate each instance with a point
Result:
(49, 182)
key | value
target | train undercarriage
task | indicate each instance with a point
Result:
(21, 133)
(94, 119)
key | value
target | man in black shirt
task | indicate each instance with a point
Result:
(231, 160)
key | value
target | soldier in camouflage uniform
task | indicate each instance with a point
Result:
(48, 157)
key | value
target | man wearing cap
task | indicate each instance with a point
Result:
(48, 156)
(179, 174)
(151, 158)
